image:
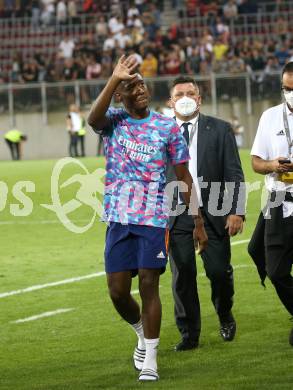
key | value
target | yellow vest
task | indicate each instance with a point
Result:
(82, 130)
(13, 136)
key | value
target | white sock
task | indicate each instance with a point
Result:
(150, 360)
(139, 331)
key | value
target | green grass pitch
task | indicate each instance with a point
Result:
(89, 347)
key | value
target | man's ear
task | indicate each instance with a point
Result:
(169, 103)
(199, 100)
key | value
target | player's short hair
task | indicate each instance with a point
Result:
(288, 68)
(184, 80)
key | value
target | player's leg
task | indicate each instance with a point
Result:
(152, 260)
(151, 317)
(121, 264)
(119, 285)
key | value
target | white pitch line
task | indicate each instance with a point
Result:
(240, 242)
(40, 222)
(53, 284)
(90, 276)
(42, 315)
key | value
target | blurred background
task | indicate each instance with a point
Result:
(57, 53)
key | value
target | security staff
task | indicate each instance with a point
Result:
(214, 159)
(14, 139)
(272, 155)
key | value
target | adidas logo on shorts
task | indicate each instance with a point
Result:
(160, 255)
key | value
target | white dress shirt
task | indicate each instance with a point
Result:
(271, 142)
(192, 164)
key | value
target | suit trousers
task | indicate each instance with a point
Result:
(216, 259)
(279, 260)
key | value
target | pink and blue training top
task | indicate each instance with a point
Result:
(137, 151)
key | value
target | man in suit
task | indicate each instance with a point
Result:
(215, 160)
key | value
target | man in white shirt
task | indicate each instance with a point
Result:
(272, 155)
(214, 160)
(66, 48)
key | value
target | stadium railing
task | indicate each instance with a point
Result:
(216, 89)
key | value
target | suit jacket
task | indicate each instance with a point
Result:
(217, 161)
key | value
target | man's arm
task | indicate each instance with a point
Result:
(233, 173)
(269, 166)
(97, 116)
(199, 232)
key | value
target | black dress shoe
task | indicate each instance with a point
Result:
(228, 330)
(186, 345)
(291, 337)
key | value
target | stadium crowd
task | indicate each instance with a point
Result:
(138, 29)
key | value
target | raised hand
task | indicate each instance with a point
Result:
(124, 68)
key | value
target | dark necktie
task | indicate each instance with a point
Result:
(186, 136)
(186, 132)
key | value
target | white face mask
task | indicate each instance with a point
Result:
(186, 106)
(289, 98)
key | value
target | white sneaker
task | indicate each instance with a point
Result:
(138, 358)
(148, 374)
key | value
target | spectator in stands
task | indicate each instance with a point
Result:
(35, 15)
(172, 63)
(72, 12)
(115, 24)
(88, 5)
(156, 15)
(230, 10)
(110, 43)
(149, 66)
(61, 12)
(137, 22)
(14, 139)
(281, 27)
(123, 39)
(282, 54)
(50, 75)
(66, 47)
(30, 73)
(69, 71)
(140, 5)
(221, 29)
(101, 28)
(15, 74)
(235, 63)
(220, 49)
(271, 76)
(106, 63)
(256, 61)
(93, 69)
(136, 36)
(48, 11)
(41, 64)
(193, 61)
(256, 64)
(132, 10)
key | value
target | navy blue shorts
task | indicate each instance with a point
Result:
(132, 247)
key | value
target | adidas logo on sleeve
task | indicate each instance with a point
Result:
(281, 132)
(161, 255)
